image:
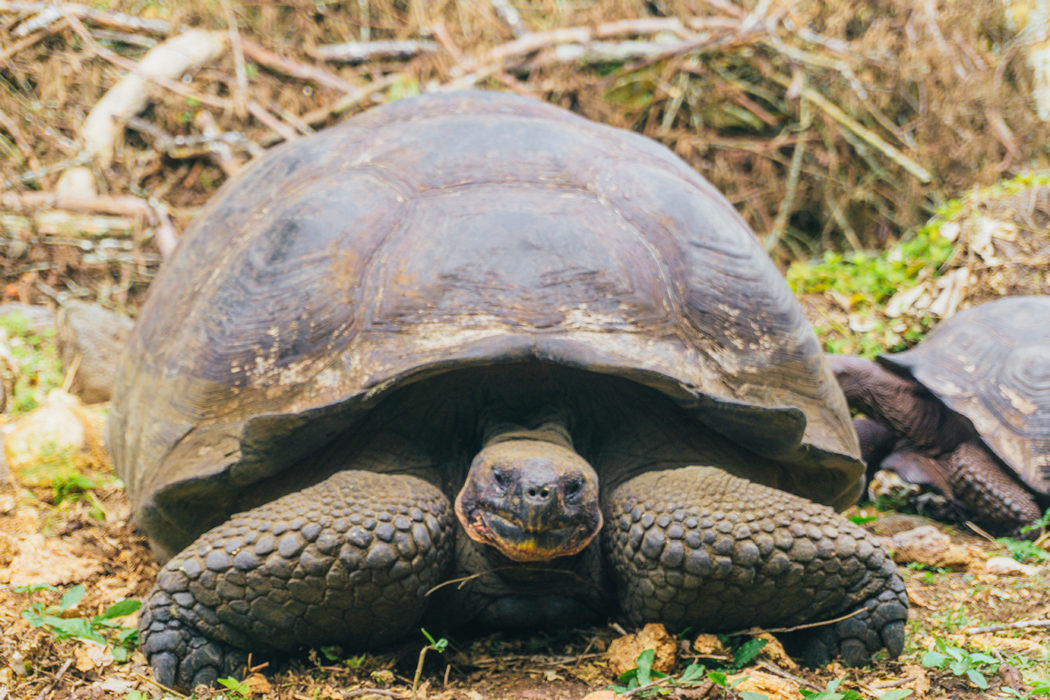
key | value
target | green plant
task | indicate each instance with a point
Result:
(746, 652)
(37, 368)
(70, 473)
(1024, 550)
(644, 681)
(960, 662)
(831, 692)
(121, 639)
(433, 645)
(1040, 687)
(238, 689)
(953, 618)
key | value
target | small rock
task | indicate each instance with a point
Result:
(929, 546)
(623, 652)
(57, 425)
(93, 338)
(1005, 566)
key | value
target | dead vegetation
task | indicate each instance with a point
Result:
(829, 125)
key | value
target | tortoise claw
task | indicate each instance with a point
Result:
(879, 624)
(181, 656)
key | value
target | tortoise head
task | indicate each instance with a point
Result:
(531, 496)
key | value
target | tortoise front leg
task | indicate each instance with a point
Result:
(348, 560)
(984, 488)
(697, 546)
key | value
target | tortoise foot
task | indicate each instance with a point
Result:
(346, 561)
(698, 547)
(181, 657)
(854, 640)
(996, 500)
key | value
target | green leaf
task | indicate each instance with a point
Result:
(898, 694)
(120, 654)
(717, 677)
(692, 673)
(120, 609)
(748, 695)
(983, 659)
(644, 663)
(71, 597)
(746, 652)
(933, 659)
(34, 588)
(239, 687)
(128, 637)
(977, 678)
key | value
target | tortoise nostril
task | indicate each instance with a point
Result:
(539, 493)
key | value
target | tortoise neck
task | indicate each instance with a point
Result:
(549, 426)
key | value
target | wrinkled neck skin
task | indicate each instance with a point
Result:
(901, 404)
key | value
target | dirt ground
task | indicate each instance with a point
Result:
(829, 125)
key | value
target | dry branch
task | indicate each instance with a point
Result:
(164, 63)
(48, 13)
(1021, 624)
(120, 205)
(287, 66)
(361, 51)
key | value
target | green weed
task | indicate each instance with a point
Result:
(644, 681)
(239, 690)
(831, 692)
(1040, 687)
(37, 368)
(100, 629)
(960, 662)
(438, 645)
(1024, 550)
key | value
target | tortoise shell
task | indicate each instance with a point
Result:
(441, 233)
(991, 364)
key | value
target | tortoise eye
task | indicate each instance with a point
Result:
(572, 489)
(503, 477)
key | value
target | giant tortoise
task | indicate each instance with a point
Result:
(472, 336)
(966, 411)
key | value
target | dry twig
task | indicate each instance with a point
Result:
(49, 13)
(361, 51)
(1021, 624)
(287, 66)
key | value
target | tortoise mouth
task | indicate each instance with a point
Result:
(524, 544)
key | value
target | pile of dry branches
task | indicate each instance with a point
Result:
(827, 124)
